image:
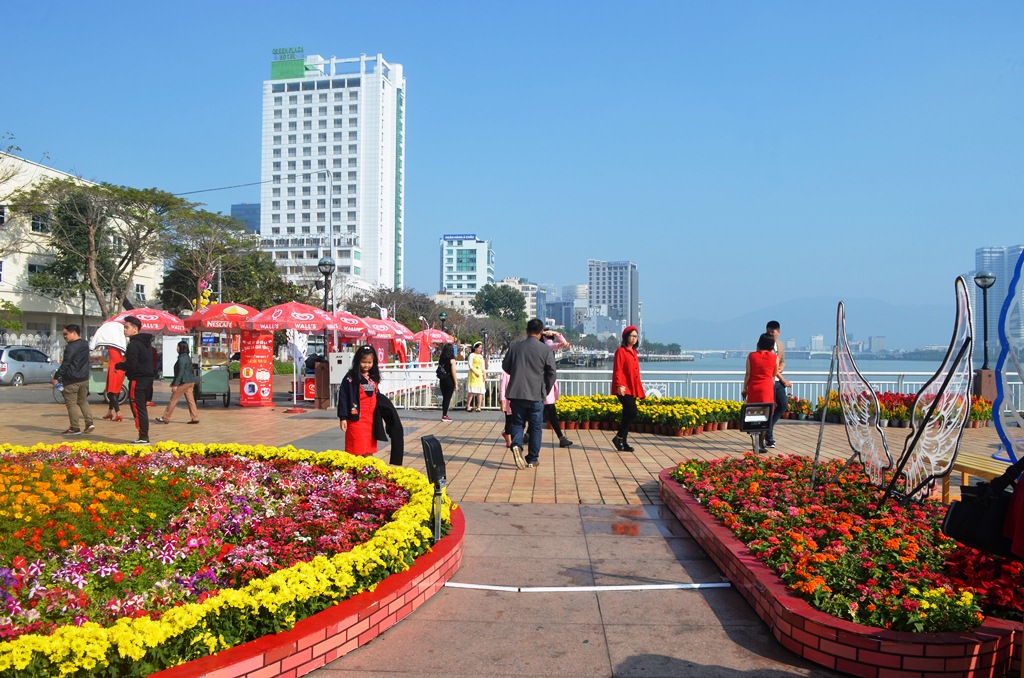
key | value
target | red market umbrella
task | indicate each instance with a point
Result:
(354, 327)
(382, 329)
(220, 317)
(433, 336)
(293, 316)
(154, 321)
(401, 331)
(389, 329)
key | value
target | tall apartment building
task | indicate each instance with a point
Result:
(467, 264)
(333, 168)
(527, 289)
(1000, 262)
(617, 284)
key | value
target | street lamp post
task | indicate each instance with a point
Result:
(984, 379)
(443, 317)
(984, 280)
(326, 266)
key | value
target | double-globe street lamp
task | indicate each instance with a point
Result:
(443, 317)
(984, 280)
(326, 266)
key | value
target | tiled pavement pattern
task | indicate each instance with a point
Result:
(587, 516)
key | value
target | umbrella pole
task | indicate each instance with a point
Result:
(294, 409)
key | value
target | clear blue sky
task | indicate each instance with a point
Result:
(839, 149)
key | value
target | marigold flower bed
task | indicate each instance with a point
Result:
(116, 561)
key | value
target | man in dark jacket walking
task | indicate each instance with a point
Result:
(73, 373)
(139, 369)
(530, 364)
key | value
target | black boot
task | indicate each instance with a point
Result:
(619, 443)
(626, 447)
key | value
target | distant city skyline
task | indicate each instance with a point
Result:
(747, 157)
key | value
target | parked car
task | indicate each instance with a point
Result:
(24, 365)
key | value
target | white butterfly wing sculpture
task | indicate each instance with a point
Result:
(860, 409)
(940, 411)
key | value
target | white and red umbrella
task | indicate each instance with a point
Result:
(154, 321)
(433, 336)
(401, 331)
(354, 327)
(386, 328)
(293, 316)
(220, 317)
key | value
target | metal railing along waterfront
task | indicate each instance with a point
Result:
(416, 386)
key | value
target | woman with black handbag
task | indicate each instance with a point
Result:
(446, 378)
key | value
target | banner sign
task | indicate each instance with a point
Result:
(256, 376)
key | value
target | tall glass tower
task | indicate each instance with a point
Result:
(999, 261)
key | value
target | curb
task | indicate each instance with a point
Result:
(338, 630)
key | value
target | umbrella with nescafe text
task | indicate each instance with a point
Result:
(293, 316)
(220, 317)
(154, 321)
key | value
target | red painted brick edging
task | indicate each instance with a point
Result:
(835, 643)
(338, 630)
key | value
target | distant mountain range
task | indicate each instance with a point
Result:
(904, 326)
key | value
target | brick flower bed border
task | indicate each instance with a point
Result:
(338, 630)
(835, 643)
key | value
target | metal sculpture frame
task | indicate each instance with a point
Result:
(938, 417)
(1004, 413)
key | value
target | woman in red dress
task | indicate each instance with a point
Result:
(357, 402)
(759, 377)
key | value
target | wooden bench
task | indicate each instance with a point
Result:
(973, 464)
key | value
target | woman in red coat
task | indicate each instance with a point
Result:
(626, 385)
(759, 377)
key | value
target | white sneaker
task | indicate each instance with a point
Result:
(517, 455)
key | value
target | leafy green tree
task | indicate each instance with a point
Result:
(501, 301)
(249, 278)
(405, 305)
(9, 314)
(202, 244)
(101, 234)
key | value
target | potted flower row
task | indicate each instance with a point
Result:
(665, 416)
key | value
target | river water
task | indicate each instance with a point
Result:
(800, 365)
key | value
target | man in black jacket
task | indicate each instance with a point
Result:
(139, 369)
(73, 373)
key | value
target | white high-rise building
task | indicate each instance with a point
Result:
(617, 284)
(467, 264)
(333, 168)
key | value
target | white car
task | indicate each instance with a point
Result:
(25, 365)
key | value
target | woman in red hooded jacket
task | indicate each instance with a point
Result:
(626, 385)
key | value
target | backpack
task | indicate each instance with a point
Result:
(441, 372)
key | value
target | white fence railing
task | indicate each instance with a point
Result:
(51, 346)
(416, 387)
